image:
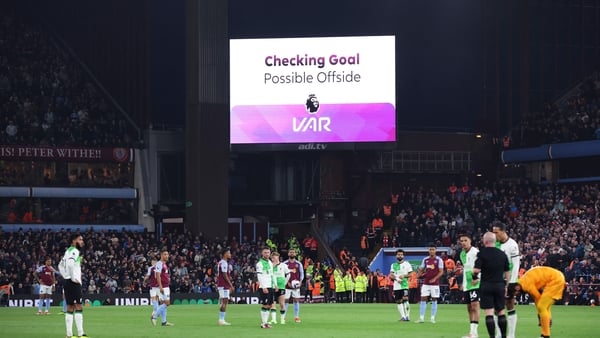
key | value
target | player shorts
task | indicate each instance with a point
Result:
(223, 292)
(73, 293)
(266, 298)
(510, 291)
(45, 290)
(492, 296)
(166, 295)
(279, 293)
(294, 293)
(432, 291)
(471, 296)
(400, 294)
(153, 292)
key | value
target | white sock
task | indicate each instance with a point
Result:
(407, 309)
(401, 310)
(512, 324)
(264, 316)
(69, 323)
(79, 323)
(273, 315)
(474, 329)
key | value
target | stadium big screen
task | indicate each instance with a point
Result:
(312, 93)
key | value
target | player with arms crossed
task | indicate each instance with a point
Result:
(292, 288)
(163, 278)
(399, 272)
(282, 276)
(224, 284)
(70, 269)
(266, 281)
(45, 275)
(431, 269)
(468, 256)
(511, 249)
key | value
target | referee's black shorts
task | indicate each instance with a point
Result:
(73, 293)
(492, 296)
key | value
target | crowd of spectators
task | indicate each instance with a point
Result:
(21, 173)
(578, 119)
(67, 211)
(116, 262)
(45, 97)
(553, 224)
(559, 223)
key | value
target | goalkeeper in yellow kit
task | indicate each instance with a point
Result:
(545, 285)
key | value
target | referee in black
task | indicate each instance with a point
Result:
(495, 275)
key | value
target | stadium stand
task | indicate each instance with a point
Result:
(46, 99)
(576, 118)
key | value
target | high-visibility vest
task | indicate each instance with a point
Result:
(413, 282)
(306, 263)
(360, 284)
(309, 270)
(348, 282)
(339, 284)
(309, 284)
(381, 281)
(343, 257)
(316, 291)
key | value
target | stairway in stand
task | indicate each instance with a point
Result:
(351, 241)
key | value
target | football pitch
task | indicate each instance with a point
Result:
(318, 320)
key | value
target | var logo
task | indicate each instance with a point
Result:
(311, 123)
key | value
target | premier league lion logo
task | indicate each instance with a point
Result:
(312, 104)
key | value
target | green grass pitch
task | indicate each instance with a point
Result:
(318, 320)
